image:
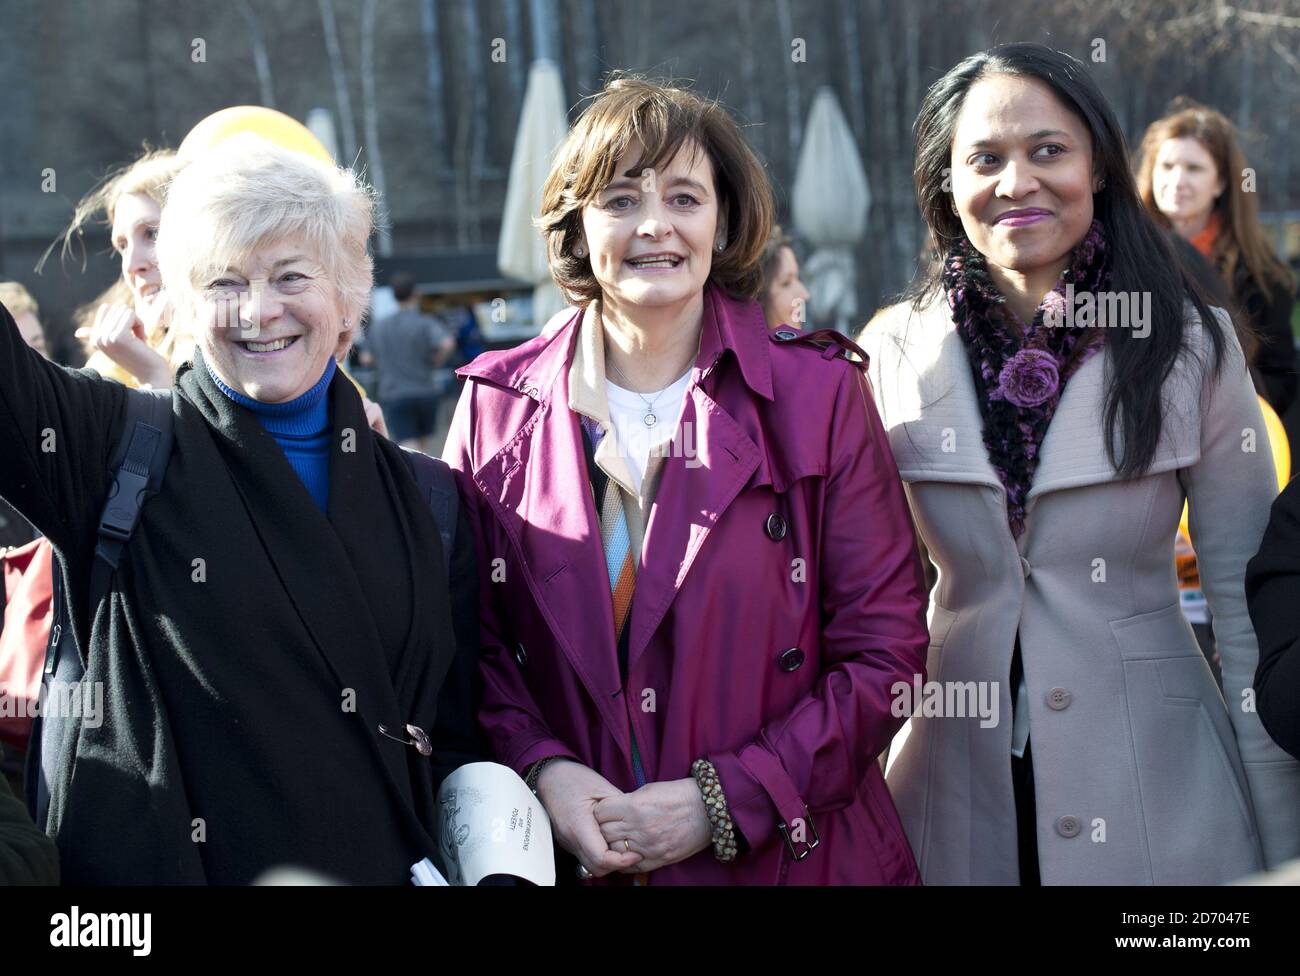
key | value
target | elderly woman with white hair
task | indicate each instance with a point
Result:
(283, 625)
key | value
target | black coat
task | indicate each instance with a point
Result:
(26, 854)
(1269, 314)
(250, 644)
(1273, 596)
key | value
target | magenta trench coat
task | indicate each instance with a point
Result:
(767, 645)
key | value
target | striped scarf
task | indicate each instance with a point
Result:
(621, 532)
(615, 532)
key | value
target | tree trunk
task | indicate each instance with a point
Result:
(338, 71)
(370, 108)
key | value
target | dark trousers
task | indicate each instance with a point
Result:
(1022, 784)
(1022, 781)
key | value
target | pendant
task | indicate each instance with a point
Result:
(650, 420)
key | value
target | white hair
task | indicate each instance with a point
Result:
(248, 192)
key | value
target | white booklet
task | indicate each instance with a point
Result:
(489, 822)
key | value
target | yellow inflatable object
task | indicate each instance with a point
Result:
(283, 130)
(1281, 454)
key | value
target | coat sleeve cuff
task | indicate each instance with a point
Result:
(761, 796)
(535, 748)
(1274, 788)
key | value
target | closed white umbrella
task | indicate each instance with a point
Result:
(543, 124)
(830, 202)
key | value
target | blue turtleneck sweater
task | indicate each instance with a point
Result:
(302, 429)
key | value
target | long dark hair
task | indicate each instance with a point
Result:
(1142, 259)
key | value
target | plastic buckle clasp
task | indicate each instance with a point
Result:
(121, 514)
(808, 844)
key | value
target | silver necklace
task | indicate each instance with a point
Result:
(650, 418)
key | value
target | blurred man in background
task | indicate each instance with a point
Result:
(410, 351)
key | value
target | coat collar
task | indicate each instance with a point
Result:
(730, 325)
(321, 580)
(538, 488)
(928, 402)
(926, 397)
(589, 397)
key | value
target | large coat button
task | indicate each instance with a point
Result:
(521, 656)
(1058, 699)
(1068, 826)
(785, 335)
(790, 660)
(775, 527)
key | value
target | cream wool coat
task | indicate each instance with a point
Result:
(1143, 775)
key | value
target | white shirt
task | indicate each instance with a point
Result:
(635, 440)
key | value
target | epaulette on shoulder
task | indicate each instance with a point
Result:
(832, 344)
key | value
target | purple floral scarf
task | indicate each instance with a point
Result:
(1020, 378)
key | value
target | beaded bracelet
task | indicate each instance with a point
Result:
(715, 805)
(535, 772)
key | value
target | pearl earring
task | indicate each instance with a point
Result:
(579, 251)
(722, 246)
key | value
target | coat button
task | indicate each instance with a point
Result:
(521, 655)
(785, 335)
(1058, 699)
(1068, 826)
(775, 527)
(1025, 568)
(790, 660)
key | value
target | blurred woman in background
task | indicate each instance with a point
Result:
(128, 327)
(26, 312)
(783, 296)
(1191, 174)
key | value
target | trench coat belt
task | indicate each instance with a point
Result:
(771, 775)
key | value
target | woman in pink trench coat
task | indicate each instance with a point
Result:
(778, 596)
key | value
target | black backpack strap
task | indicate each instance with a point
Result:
(138, 462)
(438, 486)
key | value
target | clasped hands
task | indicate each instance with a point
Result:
(610, 831)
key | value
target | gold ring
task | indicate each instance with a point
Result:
(627, 848)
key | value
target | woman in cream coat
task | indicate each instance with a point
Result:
(1115, 760)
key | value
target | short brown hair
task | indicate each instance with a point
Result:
(663, 118)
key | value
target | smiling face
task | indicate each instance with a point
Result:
(134, 233)
(289, 323)
(1022, 175)
(650, 237)
(1184, 180)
